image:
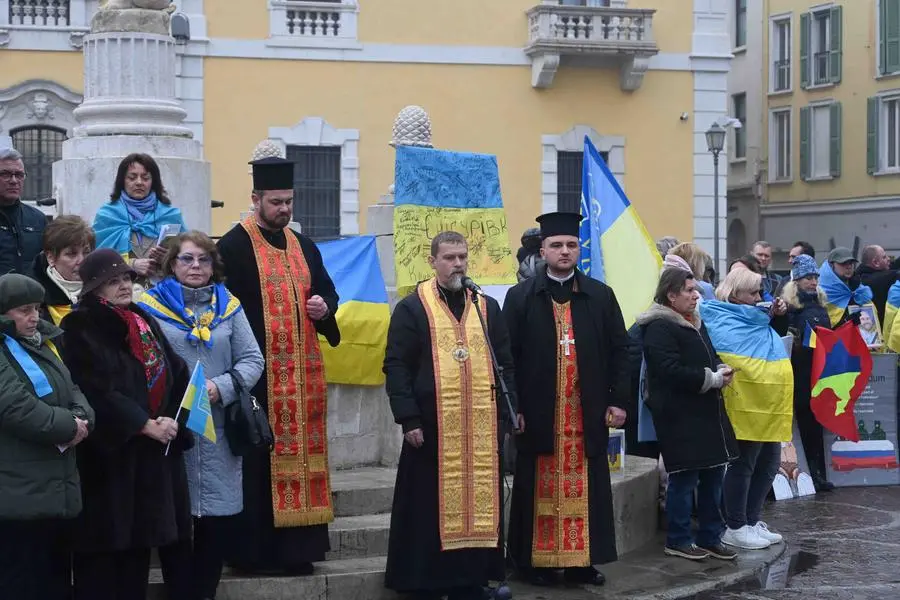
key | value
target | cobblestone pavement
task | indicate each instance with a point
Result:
(843, 545)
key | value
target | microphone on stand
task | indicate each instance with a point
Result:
(472, 286)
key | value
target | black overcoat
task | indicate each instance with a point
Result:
(691, 422)
(256, 543)
(133, 495)
(601, 343)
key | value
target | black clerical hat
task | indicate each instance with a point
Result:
(559, 223)
(273, 173)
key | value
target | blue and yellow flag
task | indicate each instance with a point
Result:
(810, 338)
(363, 313)
(891, 326)
(760, 399)
(615, 247)
(839, 294)
(196, 403)
(441, 190)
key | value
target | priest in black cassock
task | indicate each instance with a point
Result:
(446, 514)
(289, 299)
(570, 349)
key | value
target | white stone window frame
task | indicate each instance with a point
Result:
(315, 131)
(886, 100)
(774, 22)
(55, 106)
(279, 35)
(573, 141)
(774, 143)
(818, 139)
(69, 37)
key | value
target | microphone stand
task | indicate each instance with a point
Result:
(502, 592)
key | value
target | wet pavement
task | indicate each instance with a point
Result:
(843, 545)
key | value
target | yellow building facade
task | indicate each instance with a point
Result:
(831, 123)
(525, 80)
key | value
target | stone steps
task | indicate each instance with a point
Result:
(359, 537)
(362, 491)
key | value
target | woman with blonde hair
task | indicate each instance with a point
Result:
(697, 259)
(745, 331)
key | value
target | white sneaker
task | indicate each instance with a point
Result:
(745, 538)
(762, 530)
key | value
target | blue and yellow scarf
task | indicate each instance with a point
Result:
(839, 293)
(114, 223)
(165, 301)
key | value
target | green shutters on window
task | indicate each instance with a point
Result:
(834, 128)
(834, 52)
(805, 116)
(804, 50)
(890, 37)
(872, 135)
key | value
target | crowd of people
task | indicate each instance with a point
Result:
(102, 325)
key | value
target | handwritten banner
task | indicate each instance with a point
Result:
(440, 190)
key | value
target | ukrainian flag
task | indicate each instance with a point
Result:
(839, 294)
(810, 338)
(891, 326)
(760, 399)
(363, 313)
(196, 403)
(615, 246)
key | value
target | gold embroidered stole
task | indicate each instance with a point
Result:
(561, 535)
(468, 469)
(301, 486)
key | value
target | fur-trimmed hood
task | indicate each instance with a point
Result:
(791, 295)
(658, 311)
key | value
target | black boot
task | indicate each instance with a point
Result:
(584, 575)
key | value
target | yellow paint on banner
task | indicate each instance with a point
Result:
(491, 261)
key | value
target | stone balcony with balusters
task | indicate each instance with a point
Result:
(323, 24)
(598, 36)
(50, 17)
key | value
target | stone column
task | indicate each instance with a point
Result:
(130, 106)
(412, 127)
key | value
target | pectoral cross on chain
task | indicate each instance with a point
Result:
(566, 340)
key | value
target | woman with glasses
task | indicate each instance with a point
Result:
(137, 211)
(204, 322)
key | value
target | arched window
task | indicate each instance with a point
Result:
(40, 148)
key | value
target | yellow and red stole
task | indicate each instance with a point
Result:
(301, 486)
(468, 469)
(561, 534)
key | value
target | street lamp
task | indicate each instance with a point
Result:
(715, 142)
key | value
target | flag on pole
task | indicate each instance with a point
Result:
(841, 367)
(615, 246)
(196, 402)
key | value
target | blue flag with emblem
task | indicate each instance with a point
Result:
(196, 403)
(615, 245)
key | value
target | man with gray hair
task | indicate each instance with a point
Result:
(21, 226)
(762, 250)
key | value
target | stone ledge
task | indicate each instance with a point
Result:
(132, 20)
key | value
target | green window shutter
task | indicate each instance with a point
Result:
(805, 115)
(835, 53)
(804, 50)
(834, 128)
(872, 135)
(890, 37)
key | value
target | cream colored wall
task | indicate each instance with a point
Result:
(480, 109)
(457, 23)
(858, 82)
(64, 68)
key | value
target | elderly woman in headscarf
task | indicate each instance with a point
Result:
(134, 484)
(43, 416)
(205, 323)
(137, 211)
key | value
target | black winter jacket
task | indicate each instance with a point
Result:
(21, 237)
(690, 418)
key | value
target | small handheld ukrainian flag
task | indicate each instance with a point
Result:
(810, 339)
(196, 402)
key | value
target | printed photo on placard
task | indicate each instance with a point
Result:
(869, 327)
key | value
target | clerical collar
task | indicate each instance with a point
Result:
(561, 280)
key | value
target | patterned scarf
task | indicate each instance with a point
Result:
(146, 348)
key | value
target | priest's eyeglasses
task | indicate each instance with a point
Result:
(188, 260)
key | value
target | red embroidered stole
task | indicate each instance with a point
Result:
(561, 534)
(468, 467)
(301, 486)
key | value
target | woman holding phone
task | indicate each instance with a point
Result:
(138, 218)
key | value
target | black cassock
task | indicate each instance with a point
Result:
(601, 345)
(415, 560)
(255, 542)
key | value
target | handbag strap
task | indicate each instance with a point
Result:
(239, 385)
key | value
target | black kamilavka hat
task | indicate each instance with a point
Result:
(273, 173)
(559, 223)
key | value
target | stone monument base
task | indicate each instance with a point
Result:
(131, 20)
(84, 178)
